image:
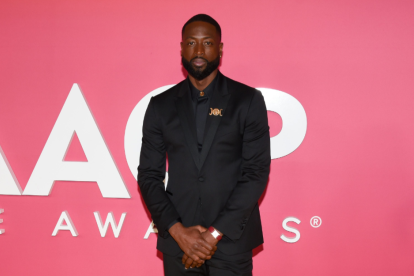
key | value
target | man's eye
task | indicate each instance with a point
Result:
(207, 43)
(191, 43)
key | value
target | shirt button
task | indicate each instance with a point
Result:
(201, 179)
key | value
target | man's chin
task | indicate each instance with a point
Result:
(198, 74)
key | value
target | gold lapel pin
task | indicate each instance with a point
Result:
(215, 111)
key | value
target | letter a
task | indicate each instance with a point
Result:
(151, 229)
(69, 225)
(76, 117)
(8, 182)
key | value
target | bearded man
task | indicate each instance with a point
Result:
(215, 133)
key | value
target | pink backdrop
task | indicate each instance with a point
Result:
(350, 64)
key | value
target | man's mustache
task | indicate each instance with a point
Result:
(199, 58)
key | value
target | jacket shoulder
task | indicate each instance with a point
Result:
(242, 90)
(168, 94)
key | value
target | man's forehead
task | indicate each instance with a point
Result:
(199, 29)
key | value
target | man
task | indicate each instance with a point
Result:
(215, 133)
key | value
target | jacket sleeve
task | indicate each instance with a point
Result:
(254, 173)
(151, 172)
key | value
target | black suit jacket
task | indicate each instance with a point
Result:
(228, 176)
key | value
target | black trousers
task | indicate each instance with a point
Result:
(219, 265)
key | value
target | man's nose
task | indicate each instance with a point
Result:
(200, 49)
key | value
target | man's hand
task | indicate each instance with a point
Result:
(191, 241)
(208, 237)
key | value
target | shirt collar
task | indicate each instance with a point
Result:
(195, 93)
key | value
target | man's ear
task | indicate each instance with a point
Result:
(221, 49)
(181, 51)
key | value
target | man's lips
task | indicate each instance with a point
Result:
(199, 62)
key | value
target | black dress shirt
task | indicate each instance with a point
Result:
(201, 107)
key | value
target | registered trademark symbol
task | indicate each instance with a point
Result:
(315, 221)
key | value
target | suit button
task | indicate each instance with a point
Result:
(201, 179)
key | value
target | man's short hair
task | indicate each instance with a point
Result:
(203, 18)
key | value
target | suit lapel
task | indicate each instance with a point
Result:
(220, 99)
(186, 115)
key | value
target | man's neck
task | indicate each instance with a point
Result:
(202, 84)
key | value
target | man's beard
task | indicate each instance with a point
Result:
(198, 73)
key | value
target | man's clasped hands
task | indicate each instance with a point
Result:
(197, 243)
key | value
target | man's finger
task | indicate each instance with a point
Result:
(201, 248)
(202, 242)
(201, 228)
(197, 264)
(188, 263)
(200, 255)
(184, 259)
(211, 253)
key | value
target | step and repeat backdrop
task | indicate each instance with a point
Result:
(337, 77)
